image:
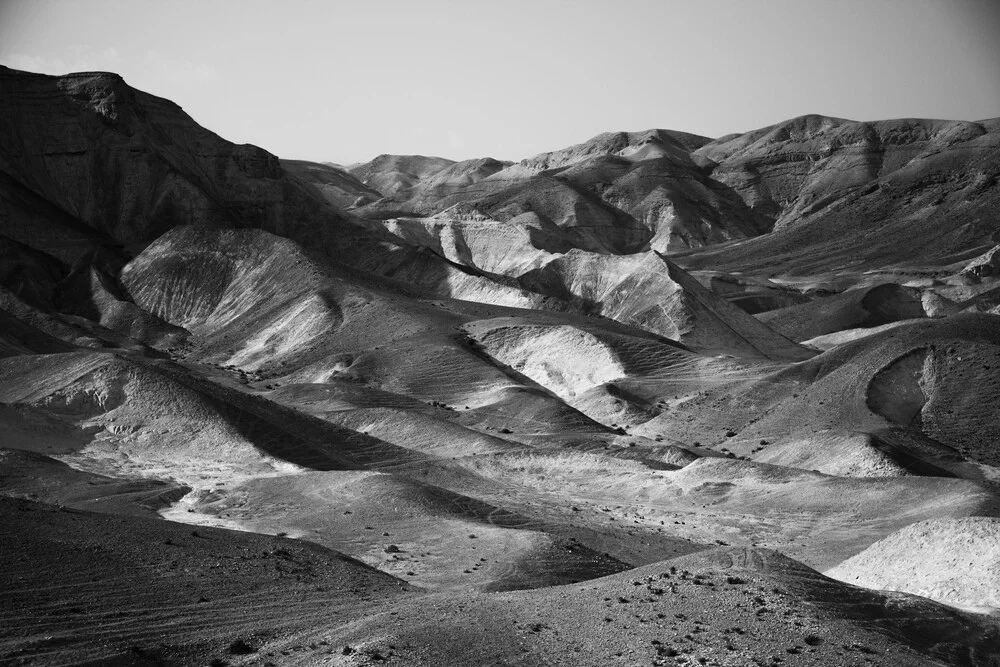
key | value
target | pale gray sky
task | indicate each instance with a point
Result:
(346, 80)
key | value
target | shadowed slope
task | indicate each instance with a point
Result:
(300, 603)
(863, 307)
(82, 587)
(336, 185)
(156, 167)
(845, 194)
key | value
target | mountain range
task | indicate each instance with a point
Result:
(654, 398)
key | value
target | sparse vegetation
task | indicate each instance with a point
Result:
(545, 296)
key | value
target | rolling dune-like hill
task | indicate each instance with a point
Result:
(654, 398)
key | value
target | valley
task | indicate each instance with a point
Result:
(654, 398)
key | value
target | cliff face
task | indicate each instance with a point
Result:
(93, 170)
(125, 166)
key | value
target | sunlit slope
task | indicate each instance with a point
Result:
(723, 607)
(619, 192)
(955, 561)
(819, 519)
(925, 389)
(327, 327)
(503, 264)
(427, 535)
(108, 413)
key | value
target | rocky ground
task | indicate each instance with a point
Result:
(621, 403)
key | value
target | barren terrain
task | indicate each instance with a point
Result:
(653, 399)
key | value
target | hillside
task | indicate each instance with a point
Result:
(620, 403)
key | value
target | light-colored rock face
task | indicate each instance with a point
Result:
(566, 360)
(954, 561)
(986, 265)
(843, 454)
(130, 420)
(650, 292)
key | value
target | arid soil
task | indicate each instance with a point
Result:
(653, 399)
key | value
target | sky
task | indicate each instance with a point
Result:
(344, 81)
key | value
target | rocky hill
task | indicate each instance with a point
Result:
(617, 403)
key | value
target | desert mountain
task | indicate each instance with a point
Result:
(617, 403)
(843, 195)
(618, 192)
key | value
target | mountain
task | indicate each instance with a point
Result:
(620, 402)
(623, 192)
(845, 196)
(390, 173)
